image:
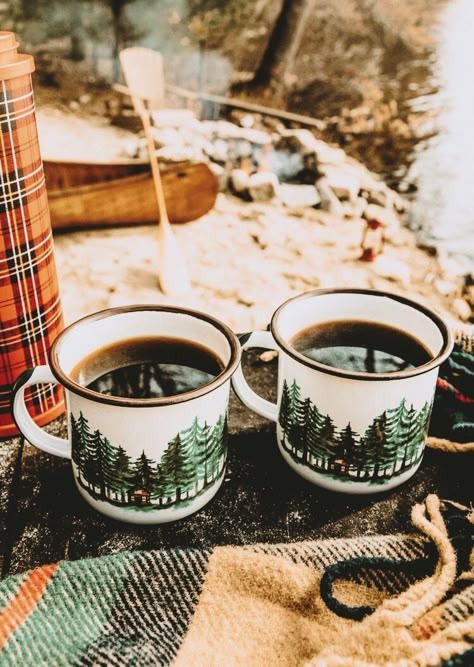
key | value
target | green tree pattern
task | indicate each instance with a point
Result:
(144, 474)
(80, 435)
(121, 474)
(193, 460)
(391, 444)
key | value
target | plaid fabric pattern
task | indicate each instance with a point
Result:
(30, 308)
(130, 608)
(134, 606)
(137, 607)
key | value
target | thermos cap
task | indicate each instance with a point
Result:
(12, 63)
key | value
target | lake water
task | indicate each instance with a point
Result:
(443, 210)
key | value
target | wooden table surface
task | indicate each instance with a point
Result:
(43, 518)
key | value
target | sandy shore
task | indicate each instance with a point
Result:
(244, 259)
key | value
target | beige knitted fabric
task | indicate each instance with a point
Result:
(257, 609)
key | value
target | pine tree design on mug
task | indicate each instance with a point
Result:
(391, 444)
(192, 462)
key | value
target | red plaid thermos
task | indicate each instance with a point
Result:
(30, 307)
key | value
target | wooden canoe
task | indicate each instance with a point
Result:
(121, 193)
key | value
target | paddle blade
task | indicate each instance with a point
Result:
(172, 272)
(143, 72)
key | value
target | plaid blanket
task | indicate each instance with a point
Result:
(392, 600)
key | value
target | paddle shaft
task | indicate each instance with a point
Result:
(143, 71)
(155, 169)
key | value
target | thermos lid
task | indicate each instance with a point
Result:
(13, 64)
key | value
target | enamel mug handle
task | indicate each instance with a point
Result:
(27, 427)
(247, 395)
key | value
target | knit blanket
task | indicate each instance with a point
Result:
(379, 601)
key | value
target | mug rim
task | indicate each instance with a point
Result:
(67, 382)
(443, 354)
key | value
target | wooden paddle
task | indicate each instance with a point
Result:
(143, 71)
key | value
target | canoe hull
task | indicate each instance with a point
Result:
(94, 195)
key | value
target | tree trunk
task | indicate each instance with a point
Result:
(272, 55)
(116, 6)
(278, 60)
(77, 52)
(304, 14)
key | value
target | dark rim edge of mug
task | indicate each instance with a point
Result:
(226, 374)
(443, 354)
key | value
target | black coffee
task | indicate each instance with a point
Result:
(357, 345)
(151, 367)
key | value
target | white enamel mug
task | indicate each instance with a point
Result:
(138, 460)
(348, 431)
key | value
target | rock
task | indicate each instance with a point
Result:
(329, 201)
(296, 196)
(359, 207)
(247, 120)
(327, 155)
(387, 198)
(445, 287)
(225, 130)
(354, 209)
(258, 137)
(263, 186)
(344, 183)
(369, 181)
(380, 196)
(221, 174)
(243, 149)
(239, 180)
(179, 154)
(377, 192)
(285, 164)
(462, 309)
(391, 268)
(166, 136)
(218, 150)
(177, 118)
(297, 141)
(131, 148)
(397, 201)
(220, 128)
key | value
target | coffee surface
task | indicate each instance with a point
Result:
(357, 345)
(148, 367)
